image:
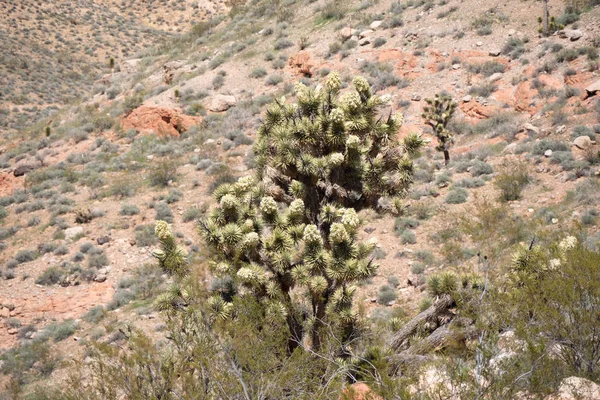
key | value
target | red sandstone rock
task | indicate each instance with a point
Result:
(302, 63)
(162, 121)
(359, 391)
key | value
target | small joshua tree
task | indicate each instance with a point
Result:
(289, 236)
(437, 115)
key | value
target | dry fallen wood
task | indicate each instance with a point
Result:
(400, 339)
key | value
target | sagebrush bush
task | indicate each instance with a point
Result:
(457, 195)
(386, 295)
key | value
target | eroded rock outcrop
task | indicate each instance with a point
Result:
(162, 121)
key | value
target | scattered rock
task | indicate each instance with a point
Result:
(531, 128)
(365, 33)
(573, 388)
(467, 98)
(571, 34)
(582, 142)
(512, 32)
(73, 232)
(415, 97)
(456, 66)
(548, 153)
(375, 24)
(159, 120)
(510, 149)
(561, 129)
(169, 70)
(495, 77)
(346, 33)
(4, 312)
(23, 169)
(103, 240)
(495, 53)
(369, 229)
(364, 42)
(130, 66)
(222, 102)
(479, 43)
(555, 220)
(593, 88)
(12, 331)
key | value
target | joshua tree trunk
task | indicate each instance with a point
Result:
(446, 157)
(546, 18)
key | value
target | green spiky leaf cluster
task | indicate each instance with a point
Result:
(335, 148)
(288, 236)
(437, 114)
(300, 271)
(171, 257)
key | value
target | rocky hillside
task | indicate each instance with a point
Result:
(81, 189)
(55, 52)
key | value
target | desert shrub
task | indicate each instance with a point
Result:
(457, 195)
(470, 183)
(479, 168)
(274, 80)
(589, 217)
(393, 281)
(61, 250)
(514, 47)
(144, 235)
(60, 331)
(379, 42)
(163, 172)
(540, 147)
(218, 82)
(163, 212)
(192, 214)
(25, 255)
(50, 276)
(94, 314)
(566, 55)
(403, 223)
(484, 90)
(97, 260)
(408, 237)
(129, 209)
(582, 130)
(86, 247)
(443, 178)
(23, 363)
(386, 295)
(511, 180)
(282, 43)
(258, 72)
(173, 196)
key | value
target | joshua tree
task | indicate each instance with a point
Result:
(288, 236)
(437, 115)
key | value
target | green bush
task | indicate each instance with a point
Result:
(457, 195)
(408, 237)
(24, 256)
(192, 214)
(479, 168)
(511, 180)
(386, 295)
(144, 235)
(51, 276)
(163, 172)
(129, 209)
